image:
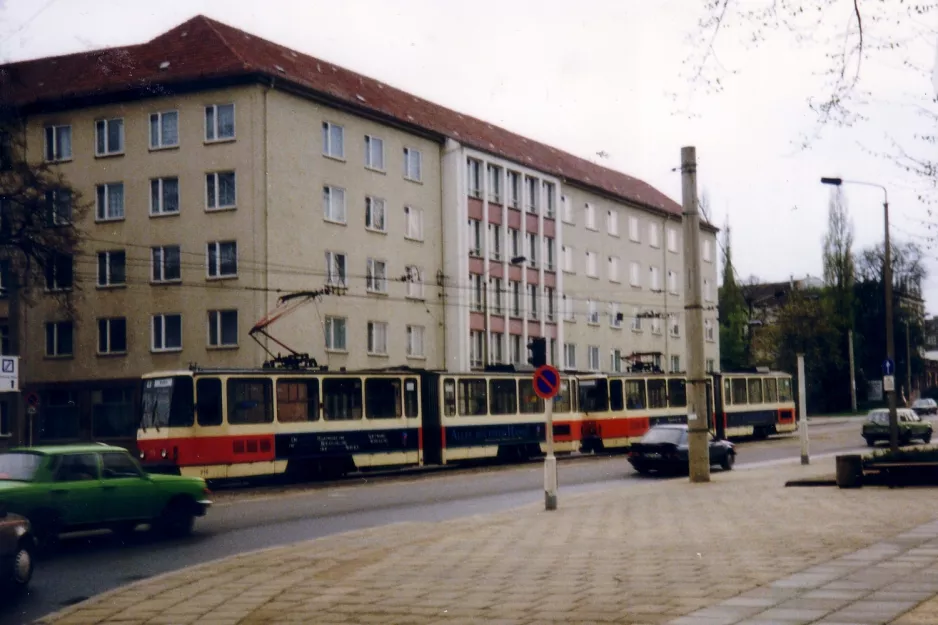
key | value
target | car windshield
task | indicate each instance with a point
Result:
(167, 402)
(664, 435)
(880, 417)
(20, 467)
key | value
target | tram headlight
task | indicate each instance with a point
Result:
(163, 454)
(142, 455)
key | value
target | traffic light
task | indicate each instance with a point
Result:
(538, 347)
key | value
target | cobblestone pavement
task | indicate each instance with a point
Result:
(647, 553)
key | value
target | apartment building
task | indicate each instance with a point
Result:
(223, 170)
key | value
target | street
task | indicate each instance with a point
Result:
(255, 518)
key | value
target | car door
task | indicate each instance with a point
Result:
(75, 490)
(127, 494)
(717, 451)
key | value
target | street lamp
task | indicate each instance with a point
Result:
(516, 260)
(887, 285)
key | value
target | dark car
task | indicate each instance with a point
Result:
(17, 546)
(925, 406)
(910, 427)
(664, 449)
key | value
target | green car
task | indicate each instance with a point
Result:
(911, 427)
(80, 487)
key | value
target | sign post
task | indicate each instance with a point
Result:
(546, 386)
(803, 411)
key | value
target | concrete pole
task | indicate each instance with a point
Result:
(802, 409)
(890, 339)
(853, 377)
(908, 362)
(550, 462)
(485, 317)
(698, 432)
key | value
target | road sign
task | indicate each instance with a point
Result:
(32, 398)
(9, 374)
(31, 410)
(546, 381)
(889, 367)
(889, 383)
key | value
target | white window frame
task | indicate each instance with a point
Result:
(635, 234)
(162, 266)
(592, 262)
(615, 360)
(654, 235)
(589, 212)
(635, 274)
(566, 206)
(494, 173)
(376, 206)
(57, 132)
(532, 194)
(214, 318)
(533, 296)
(105, 124)
(377, 332)
(708, 331)
(101, 211)
(107, 255)
(513, 189)
(550, 297)
(567, 305)
(672, 240)
(333, 204)
(498, 297)
(672, 282)
(108, 351)
(514, 242)
(328, 149)
(160, 211)
(56, 348)
(336, 274)
(212, 133)
(710, 365)
(593, 357)
(413, 165)
(496, 233)
(416, 342)
(515, 298)
(216, 246)
(707, 291)
(474, 179)
(675, 363)
(707, 251)
(156, 142)
(475, 237)
(53, 285)
(331, 325)
(569, 356)
(592, 313)
(567, 253)
(549, 248)
(614, 321)
(414, 282)
(374, 153)
(476, 295)
(532, 245)
(674, 326)
(215, 177)
(656, 325)
(612, 222)
(161, 319)
(376, 275)
(613, 268)
(413, 222)
(636, 323)
(549, 199)
(654, 279)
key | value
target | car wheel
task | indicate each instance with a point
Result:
(177, 519)
(870, 441)
(728, 461)
(21, 566)
(926, 438)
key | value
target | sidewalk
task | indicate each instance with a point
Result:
(743, 547)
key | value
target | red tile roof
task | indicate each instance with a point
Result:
(204, 48)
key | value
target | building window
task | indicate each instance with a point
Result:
(413, 162)
(475, 348)
(592, 312)
(58, 145)
(634, 234)
(654, 280)
(333, 203)
(413, 219)
(569, 356)
(476, 284)
(374, 214)
(475, 237)
(615, 360)
(672, 282)
(532, 193)
(593, 355)
(336, 269)
(110, 201)
(335, 333)
(495, 241)
(675, 364)
(590, 213)
(656, 325)
(551, 200)
(591, 270)
(567, 253)
(515, 288)
(377, 276)
(707, 252)
(220, 190)
(498, 296)
(672, 240)
(635, 274)
(549, 253)
(112, 336)
(612, 222)
(496, 340)
(550, 296)
(495, 184)
(165, 262)
(333, 140)
(710, 365)
(109, 137)
(675, 326)
(166, 333)
(112, 268)
(415, 341)
(219, 122)
(654, 235)
(164, 130)
(514, 189)
(222, 259)
(414, 282)
(59, 338)
(613, 268)
(636, 320)
(514, 237)
(58, 207)
(532, 248)
(164, 196)
(378, 338)
(514, 345)
(532, 300)
(707, 292)
(567, 304)
(474, 177)
(615, 317)
(374, 153)
(223, 328)
(59, 272)
(708, 330)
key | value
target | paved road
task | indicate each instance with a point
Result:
(261, 517)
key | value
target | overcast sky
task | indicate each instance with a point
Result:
(588, 77)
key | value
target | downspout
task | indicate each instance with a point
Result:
(260, 310)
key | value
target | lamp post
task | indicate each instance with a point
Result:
(887, 285)
(517, 260)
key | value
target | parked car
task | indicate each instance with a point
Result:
(17, 546)
(664, 448)
(925, 406)
(911, 427)
(78, 487)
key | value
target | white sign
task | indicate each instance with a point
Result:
(9, 374)
(692, 416)
(889, 383)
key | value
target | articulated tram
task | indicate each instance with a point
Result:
(228, 423)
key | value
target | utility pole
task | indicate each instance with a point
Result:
(890, 338)
(908, 362)
(802, 409)
(853, 377)
(698, 430)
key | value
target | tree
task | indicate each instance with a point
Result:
(732, 313)
(907, 264)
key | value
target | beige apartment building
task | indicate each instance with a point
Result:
(224, 171)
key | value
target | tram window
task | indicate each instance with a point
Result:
(657, 394)
(677, 393)
(563, 404)
(342, 399)
(449, 397)
(635, 394)
(382, 398)
(504, 397)
(411, 397)
(209, 401)
(472, 398)
(739, 391)
(727, 391)
(616, 400)
(250, 401)
(784, 389)
(771, 390)
(297, 400)
(530, 403)
(594, 396)
(755, 390)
